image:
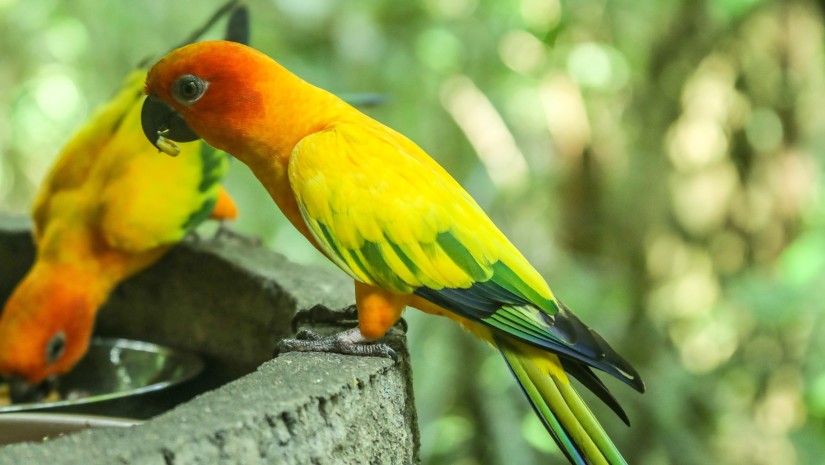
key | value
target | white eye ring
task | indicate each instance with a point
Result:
(188, 89)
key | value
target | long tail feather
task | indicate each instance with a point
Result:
(585, 375)
(558, 405)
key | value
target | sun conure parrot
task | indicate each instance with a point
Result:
(388, 215)
(109, 208)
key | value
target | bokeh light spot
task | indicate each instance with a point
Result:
(67, 39)
(451, 9)
(597, 66)
(521, 51)
(764, 129)
(540, 15)
(439, 49)
(57, 96)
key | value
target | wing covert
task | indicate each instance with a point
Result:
(387, 218)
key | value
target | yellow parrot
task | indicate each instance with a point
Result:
(387, 214)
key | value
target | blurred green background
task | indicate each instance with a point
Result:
(657, 161)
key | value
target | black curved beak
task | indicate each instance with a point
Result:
(21, 392)
(164, 126)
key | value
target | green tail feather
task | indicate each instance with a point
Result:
(563, 412)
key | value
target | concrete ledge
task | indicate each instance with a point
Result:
(296, 409)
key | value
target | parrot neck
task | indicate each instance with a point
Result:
(261, 122)
(86, 287)
(272, 135)
(271, 171)
(78, 251)
(294, 110)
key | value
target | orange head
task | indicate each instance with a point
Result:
(46, 324)
(234, 97)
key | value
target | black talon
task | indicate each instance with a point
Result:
(305, 334)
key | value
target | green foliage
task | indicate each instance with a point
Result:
(657, 161)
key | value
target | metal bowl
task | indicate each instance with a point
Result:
(37, 427)
(121, 377)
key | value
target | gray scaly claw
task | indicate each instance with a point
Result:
(349, 342)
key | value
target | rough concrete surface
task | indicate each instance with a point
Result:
(232, 301)
(297, 409)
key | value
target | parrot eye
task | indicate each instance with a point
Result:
(55, 347)
(188, 88)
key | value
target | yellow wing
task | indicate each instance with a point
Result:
(109, 176)
(389, 216)
(74, 163)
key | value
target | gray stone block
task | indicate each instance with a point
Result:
(223, 298)
(296, 409)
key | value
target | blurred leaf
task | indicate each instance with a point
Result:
(804, 260)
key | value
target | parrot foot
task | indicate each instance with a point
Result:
(349, 342)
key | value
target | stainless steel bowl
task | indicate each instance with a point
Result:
(37, 427)
(121, 377)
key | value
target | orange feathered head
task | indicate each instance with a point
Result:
(229, 94)
(203, 86)
(45, 325)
